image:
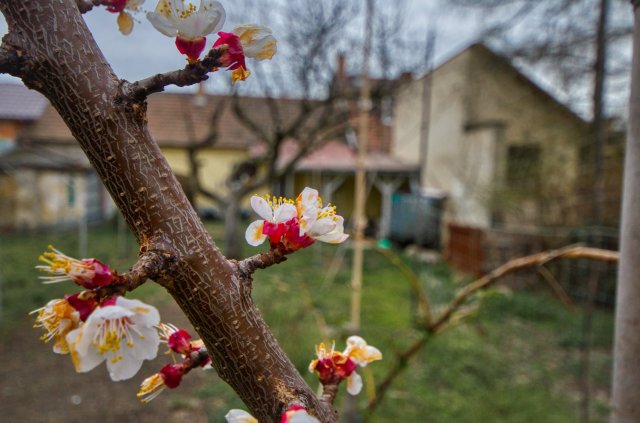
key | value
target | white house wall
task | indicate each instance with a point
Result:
(42, 198)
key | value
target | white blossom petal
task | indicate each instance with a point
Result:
(254, 235)
(321, 227)
(302, 417)
(88, 359)
(337, 235)
(240, 416)
(179, 18)
(123, 334)
(354, 384)
(257, 41)
(361, 353)
(284, 212)
(163, 24)
(123, 368)
(262, 208)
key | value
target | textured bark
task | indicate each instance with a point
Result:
(52, 50)
(626, 365)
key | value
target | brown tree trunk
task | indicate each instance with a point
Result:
(52, 50)
(626, 366)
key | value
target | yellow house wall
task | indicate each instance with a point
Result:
(216, 165)
(458, 162)
(42, 198)
(530, 118)
(469, 165)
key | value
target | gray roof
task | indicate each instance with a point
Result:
(17, 102)
(62, 158)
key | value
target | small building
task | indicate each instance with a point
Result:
(504, 152)
(205, 134)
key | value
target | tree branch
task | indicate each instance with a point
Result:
(535, 260)
(192, 73)
(329, 392)
(107, 116)
(262, 260)
(197, 359)
(11, 59)
(150, 265)
(86, 5)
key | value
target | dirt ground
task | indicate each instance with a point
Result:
(37, 385)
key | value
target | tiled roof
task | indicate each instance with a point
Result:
(177, 120)
(17, 102)
(44, 157)
(336, 156)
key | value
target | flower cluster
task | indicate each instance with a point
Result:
(91, 329)
(170, 376)
(295, 224)
(87, 273)
(125, 20)
(243, 41)
(332, 367)
(293, 414)
(190, 25)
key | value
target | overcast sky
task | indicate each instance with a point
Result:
(146, 51)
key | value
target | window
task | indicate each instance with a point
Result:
(71, 191)
(523, 166)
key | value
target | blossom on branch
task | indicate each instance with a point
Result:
(332, 367)
(169, 376)
(88, 273)
(318, 222)
(179, 341)
(253, 41)
(120, 331)
(295, 224)
(275, 213)
(57, 318)
(294, 414)
(125, 20)
(190, 25)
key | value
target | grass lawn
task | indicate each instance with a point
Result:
(515, 360)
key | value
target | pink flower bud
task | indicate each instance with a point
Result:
(172, 375)
(179, 342)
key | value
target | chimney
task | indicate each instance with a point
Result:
(200, 99)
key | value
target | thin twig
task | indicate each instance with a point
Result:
(329, 392)
(150, 265)
(86, 5)
(197, 359)
(539, 259)
(556, 287)
(535, 260)
(402, 360)
(193, 73)
(262, 260)
(413, 280)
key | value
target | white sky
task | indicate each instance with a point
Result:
(146, 51)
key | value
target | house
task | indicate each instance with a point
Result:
(19, 108)
(203, 134)
(504, 152)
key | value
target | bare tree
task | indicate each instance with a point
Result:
(310, 34)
